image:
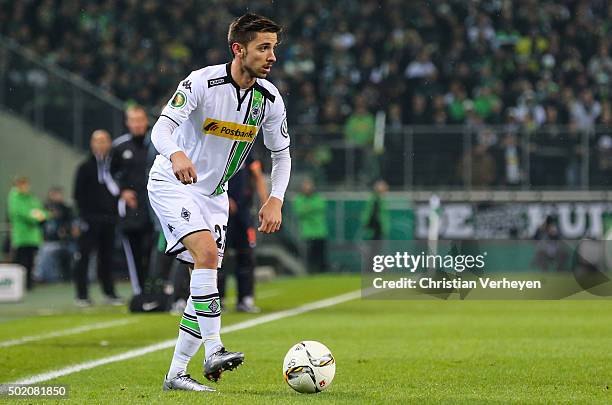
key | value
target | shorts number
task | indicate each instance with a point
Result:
(220, 231)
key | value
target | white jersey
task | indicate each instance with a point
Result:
(218, 123)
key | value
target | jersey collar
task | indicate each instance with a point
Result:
(240, 98)
(228, 69)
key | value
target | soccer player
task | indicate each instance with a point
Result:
(203, 135)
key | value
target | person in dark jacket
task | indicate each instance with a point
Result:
(95, 193)
(129, 167)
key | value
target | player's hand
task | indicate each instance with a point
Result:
(129, 196)
(183, 168)
(270, 216)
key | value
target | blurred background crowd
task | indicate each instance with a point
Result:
(440, 61)
(383, 95)
(526, 77)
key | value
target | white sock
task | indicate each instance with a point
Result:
(207, 306)
(188, 342)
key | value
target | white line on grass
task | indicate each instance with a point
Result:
(65, 332)
(170, 343)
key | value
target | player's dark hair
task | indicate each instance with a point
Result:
(244, 29)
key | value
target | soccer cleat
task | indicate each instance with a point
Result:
(184, 382)
(221, 361)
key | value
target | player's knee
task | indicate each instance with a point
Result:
(204, 256)
(205, 259)
(203, 249)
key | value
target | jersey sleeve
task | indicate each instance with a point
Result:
(188, 95)
(276, 135)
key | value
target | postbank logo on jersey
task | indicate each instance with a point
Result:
(229, 130)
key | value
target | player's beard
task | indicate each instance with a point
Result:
(254, 73)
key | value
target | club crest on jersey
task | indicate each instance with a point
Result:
(255, 111)
(185, 214)
(178, 100)
(229, 130)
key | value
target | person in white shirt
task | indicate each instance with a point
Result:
(203, 136)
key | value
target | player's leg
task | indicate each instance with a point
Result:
(165, 198)
(205, 295)
(189, 341)
(187, 345)
(180, 283)
(187, 219)
(203, 287)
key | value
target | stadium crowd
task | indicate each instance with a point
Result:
(528, 66)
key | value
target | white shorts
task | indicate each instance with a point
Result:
(183, 211)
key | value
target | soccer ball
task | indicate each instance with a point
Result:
(309, 367)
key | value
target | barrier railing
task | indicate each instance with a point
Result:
(53, 99)
(458, 158)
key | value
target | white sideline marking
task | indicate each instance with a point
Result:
(170, 343)
(66, 332)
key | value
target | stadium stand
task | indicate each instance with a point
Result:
(537, 71)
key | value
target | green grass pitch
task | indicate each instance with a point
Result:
(425, 351)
